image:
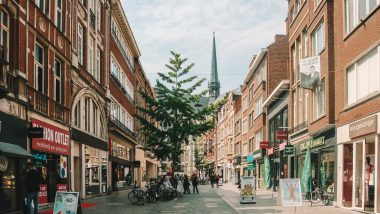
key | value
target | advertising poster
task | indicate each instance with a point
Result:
(310, 69)
(42, 194)
(290, 192)
(247, 191)
(63, 167)
(66, 202)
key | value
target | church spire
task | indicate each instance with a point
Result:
(214, 84)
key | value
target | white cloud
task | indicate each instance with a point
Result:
(242, 28)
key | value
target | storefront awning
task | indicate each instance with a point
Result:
(14, 150)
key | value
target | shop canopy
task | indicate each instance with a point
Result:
(14, 150)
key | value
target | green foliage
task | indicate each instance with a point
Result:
(198, 159)
(174, 110)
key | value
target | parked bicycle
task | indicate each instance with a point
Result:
(136, 195)
(319, 196)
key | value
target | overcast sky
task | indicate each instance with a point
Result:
(242, 28)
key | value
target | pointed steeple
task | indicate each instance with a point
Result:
(214, 84)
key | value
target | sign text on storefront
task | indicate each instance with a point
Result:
(363, 127)
(313, 143)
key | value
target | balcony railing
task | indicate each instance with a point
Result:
(59, 113)
(92, 20)
(121, 48)
(122, 126)
(41, 102)
(47, 106)
(298, 128)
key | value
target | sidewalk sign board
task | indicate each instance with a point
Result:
(290, 194)
(66, 202)
(220, 182)
(247, 191)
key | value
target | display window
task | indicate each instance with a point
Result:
(8, 183)
(327, 167)
(95, 171)
(53, 172)
(359, 175)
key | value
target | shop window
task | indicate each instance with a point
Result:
(87, 114)
(347, 174)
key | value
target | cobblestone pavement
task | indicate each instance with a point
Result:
(266, 203)
(207, 201)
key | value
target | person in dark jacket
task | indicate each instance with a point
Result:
(186, 185)
(33, 181)
(194, 182)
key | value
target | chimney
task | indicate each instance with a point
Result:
(278, 37)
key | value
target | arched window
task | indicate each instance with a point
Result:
(87, 117)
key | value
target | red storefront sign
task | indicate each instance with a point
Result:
(264, 144)
(281, 135)
(55, 140)
(42, 195)
(270, 151)
(61, 187)
(282, 146)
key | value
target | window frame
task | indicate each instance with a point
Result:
(80, 44)
(41, 65)
(320, 26)
(4, 28)
(44, 8)
(59, 79)
(91, 58)
(316, 93)
(59, 10)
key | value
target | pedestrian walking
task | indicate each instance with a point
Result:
(212, 180)
(194, 182)
(186, 185)
(33, 181)
(217, 177)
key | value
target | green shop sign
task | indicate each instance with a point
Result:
(252, 166)
(312, 143)
(289, 149)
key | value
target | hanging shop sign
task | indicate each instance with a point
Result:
(252, 166)
(282, 146)
(250, 158)
(270, 151)
(264, 144)
(312, 143)
(289, 149)
(363, 127)
(36, 132)
(3, 163)
(281, 135)
(55, 140)
(247, 191)
(259, 153)
(66, 202)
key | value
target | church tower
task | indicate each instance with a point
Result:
(214, 84)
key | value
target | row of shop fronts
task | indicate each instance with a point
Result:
(66, 159)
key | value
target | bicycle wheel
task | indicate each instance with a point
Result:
(325, 200)
(314, 196)
(132, 197)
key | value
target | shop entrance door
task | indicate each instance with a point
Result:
(358, 178)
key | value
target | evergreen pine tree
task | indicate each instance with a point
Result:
(176, 110)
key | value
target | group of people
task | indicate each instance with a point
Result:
(214, 179)
(180, 183)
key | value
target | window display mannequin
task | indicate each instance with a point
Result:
(369, 181)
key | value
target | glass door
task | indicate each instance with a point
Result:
(358, 194)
